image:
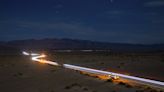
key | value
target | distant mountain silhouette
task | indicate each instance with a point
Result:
(73, 44)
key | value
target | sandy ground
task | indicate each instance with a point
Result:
(19, 74)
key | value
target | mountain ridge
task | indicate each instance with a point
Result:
(76, 44)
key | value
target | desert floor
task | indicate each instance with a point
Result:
(19, 73)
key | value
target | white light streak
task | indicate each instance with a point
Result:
(25, 53)
(89, 70)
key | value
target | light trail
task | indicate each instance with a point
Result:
(30, 54)
(38, 58)
(100, 72)
(25, 53)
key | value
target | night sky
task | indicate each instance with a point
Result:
(124, 21)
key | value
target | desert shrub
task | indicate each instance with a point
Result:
(53, 70)
(119, 66)
(67, 87)
(139, 90)
(95, 76)
(85, 89)
(147, 87)
(72, 85)
(109, 80)
(153, 90)
(18, 74)
(102, 63)
(122, 83)
(128, 86)
(76, 84)
(150, 89)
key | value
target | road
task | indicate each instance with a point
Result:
(154, 83)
